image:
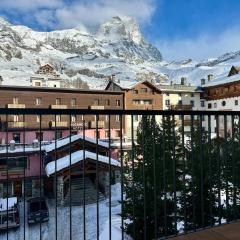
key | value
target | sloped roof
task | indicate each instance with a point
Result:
(222, 80)
(178, 88)
(76, 157)
(126, 85)
(65, 141)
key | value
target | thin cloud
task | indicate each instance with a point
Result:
(206, 45)
(58, 14)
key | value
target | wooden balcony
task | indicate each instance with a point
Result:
(58, 106)
(181, 107)
(96, 107)
(59, 124)
(101, 124)
(13, 105)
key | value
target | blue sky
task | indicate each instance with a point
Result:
(179, 28)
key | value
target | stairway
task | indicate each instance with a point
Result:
(77, 193)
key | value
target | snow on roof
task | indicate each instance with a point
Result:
(178, 88)
(65, 141)
(7, 203)
(222, 80)
(76, 157)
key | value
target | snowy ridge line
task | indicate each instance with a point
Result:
(76, 157)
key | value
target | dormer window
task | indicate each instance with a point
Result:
(143, 90)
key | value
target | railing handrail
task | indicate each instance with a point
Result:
(46, 111)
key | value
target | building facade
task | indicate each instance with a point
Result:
(57, 98)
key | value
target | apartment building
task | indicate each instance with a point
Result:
(181, 97)
(222, 94)
(57, 98)
(138, 96)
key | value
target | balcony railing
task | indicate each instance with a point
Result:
(15, 105)
(58, 106)
(163, 181)
(99, 124)
(59, 124)
(182, 107)
(16, 125)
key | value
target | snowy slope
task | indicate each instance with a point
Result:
(117, 47)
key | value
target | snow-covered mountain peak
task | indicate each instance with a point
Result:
(3, 22)
(121, 28)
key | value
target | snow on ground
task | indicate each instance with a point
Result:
(48, 229)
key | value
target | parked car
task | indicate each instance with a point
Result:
(9, 213)
(37, 210)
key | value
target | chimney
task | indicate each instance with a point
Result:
(12, 145)
(35, 143)
(183, 81)
(113, 77)
(210, 77)
(203, 81)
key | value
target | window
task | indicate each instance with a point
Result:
(180, 102)
(96, 134)
(96, 102)
(209, 106)
(58, 101)
(117, 118)
(167, 102)
(236, 102)
(106, 133)
(107, 102)
(118, 103)
(16, 137)
(179, 94)
(135, 91)
(15, 100)
(13, 163)
(106, 118)
(192, 103)
(58, 118)
(37, 84)
(38, 118)
(58, 134)
(223, 103)
(73, 118)
(202, 104)
(136, 102)
(135, 118)
(38, 101)
(215, 105)
(118, 133)
(15, 118)
(192, 94)
(167, 94)
(39, 136)
(143, 90)
(73, 102)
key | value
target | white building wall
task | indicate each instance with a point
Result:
(225, 104)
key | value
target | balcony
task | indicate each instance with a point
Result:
(14, 105)
(183, 182)
(59, 124)
(58, 106)
(101, 124)
(96, 107)
(143, 107)
(16, 125)
(183, 107)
